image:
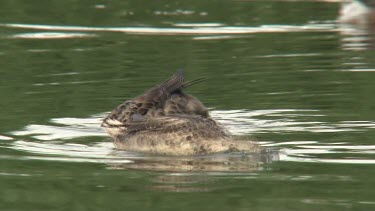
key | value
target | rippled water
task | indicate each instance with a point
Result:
(285, 72)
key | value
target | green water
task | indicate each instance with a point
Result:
(283, 71)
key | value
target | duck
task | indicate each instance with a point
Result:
(165, 120)
(358, 12)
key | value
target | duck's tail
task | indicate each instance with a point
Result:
(195, 81)
(175, 83)
(163, 89)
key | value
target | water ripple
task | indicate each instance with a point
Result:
(295, 156)
(52, 35)
(5, 138)
(242, 122)
(181, 31)
(78, 82)
(239, 122)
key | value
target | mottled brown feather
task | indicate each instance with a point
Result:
(164, 120)
(151, 99)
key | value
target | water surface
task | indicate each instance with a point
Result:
(285, 72)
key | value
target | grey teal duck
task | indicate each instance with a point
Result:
(167, 121)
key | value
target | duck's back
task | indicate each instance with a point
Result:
(180, 135)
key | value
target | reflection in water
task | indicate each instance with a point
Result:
(104, 152)
(233, 162)
(177, 182)
(356, 39)
(194, 182)
(181, 174)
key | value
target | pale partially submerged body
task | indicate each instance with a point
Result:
(358, 12)
(166, 121)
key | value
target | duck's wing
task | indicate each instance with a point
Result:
(184, 124)
(154, 98)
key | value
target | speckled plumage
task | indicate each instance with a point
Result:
(164, 120)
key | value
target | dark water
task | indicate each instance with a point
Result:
(285, 72)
